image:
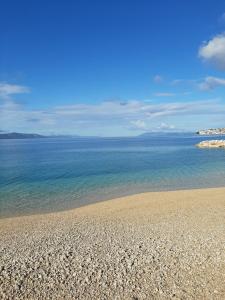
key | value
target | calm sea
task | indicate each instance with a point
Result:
(42, 175)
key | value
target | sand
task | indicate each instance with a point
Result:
(165, 245)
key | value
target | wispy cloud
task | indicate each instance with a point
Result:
(148, 127)
(139, 124)
(158, 78)
(213, 51)
(102, 118)
(164, 94)
(204, 84)
(210, 83)
(6, 89)
(165, 126)
(189, 82)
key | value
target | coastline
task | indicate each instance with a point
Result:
(157, 245)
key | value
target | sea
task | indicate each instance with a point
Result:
(53, 174)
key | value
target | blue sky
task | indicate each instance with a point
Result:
(111, 68)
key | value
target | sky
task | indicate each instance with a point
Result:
(111, 68)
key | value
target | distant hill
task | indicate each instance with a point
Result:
(16, 135)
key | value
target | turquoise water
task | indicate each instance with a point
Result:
(42, 175)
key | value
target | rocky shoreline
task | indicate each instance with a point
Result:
(212, 144)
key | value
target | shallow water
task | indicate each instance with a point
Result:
(42, 175)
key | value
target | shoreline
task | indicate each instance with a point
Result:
(128, 199)
(96, 201)
(158, 245)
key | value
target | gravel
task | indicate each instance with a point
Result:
(167, 245)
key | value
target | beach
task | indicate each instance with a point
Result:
(157, 245)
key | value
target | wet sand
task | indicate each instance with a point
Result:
(165, 245)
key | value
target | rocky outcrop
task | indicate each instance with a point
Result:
(217, 131)
(212, 144)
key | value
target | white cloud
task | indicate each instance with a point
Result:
(165, 126)
(158, 79)
(7, 89)
(104, 117)
(205, 84)
(213, 51)
(189, 82)
(164, 94)
(139, 124)
(108, 117)
(211, 83)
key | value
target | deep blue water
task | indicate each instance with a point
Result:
(42, 175)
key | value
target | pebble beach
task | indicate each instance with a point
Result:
(158, 245)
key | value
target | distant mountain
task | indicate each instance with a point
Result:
(16, 135)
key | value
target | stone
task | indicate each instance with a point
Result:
(212, 144)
